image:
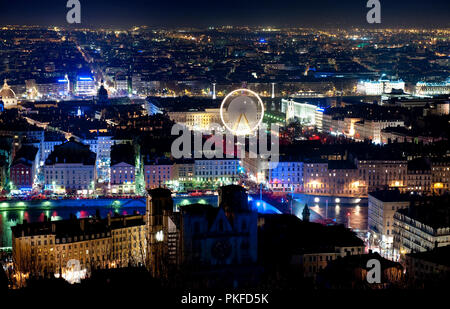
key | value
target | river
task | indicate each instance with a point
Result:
(12, 213)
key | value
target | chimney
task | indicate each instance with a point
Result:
(109, 219)
(82, 224)
(53, 227)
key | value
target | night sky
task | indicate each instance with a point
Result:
(124, 13)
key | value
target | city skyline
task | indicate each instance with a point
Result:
(138, 156)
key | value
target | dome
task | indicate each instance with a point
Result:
(6, 92)
(102, 92)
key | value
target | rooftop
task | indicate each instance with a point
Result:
(431, 211)
(390, 196)
(26, 154)
(71, 152)
(76, 227)
(439, 255)
(123, 153)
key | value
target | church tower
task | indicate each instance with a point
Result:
(306, 213)
(8, 96)
(290, 111)
(161, 231)
(102, 95)
(233, 198)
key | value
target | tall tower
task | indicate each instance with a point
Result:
(273, 90)
(290, 111)
(102, 94)
(306, 213)
(214, 91)
(8, 96)
(158, 209)
(66, 78)
(233, 198)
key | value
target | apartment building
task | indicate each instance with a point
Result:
(423, 226)
(371, 129)
(419, 176)
(221, 171)
(123, 169)
(157, 173)
(382, 174)
(285, 176)
(440, 176)
(72, 248)
(334, 177)
(382, 206)
(70, 167)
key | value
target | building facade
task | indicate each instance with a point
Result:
(158, 174)
(70, 167)
(73, 248)
(123, 178)
(335, 177)
(382, 174)
(423, 226)
(382, 206)
(285, 176)
(219, 171)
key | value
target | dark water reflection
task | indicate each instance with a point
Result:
(354, 216)
(19, 211)
(345, 214)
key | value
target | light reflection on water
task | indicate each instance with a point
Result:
(355, 216)
(9, 218)
(50, 209)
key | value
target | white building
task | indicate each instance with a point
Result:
(221, 171)
(371, 129)
(8, 96)
(381, 210)
(305, 112)
(122, 86)
(70, 167)
(48, 145)
(428, 89)
(57, 89)
(86, 86)
(422, 227)
(378, 87)
(101, 145)
(197, 120)
(123, 178)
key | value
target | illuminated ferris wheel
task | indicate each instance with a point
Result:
(242, 111)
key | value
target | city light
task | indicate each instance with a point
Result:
(97, 189)
(159, 236)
